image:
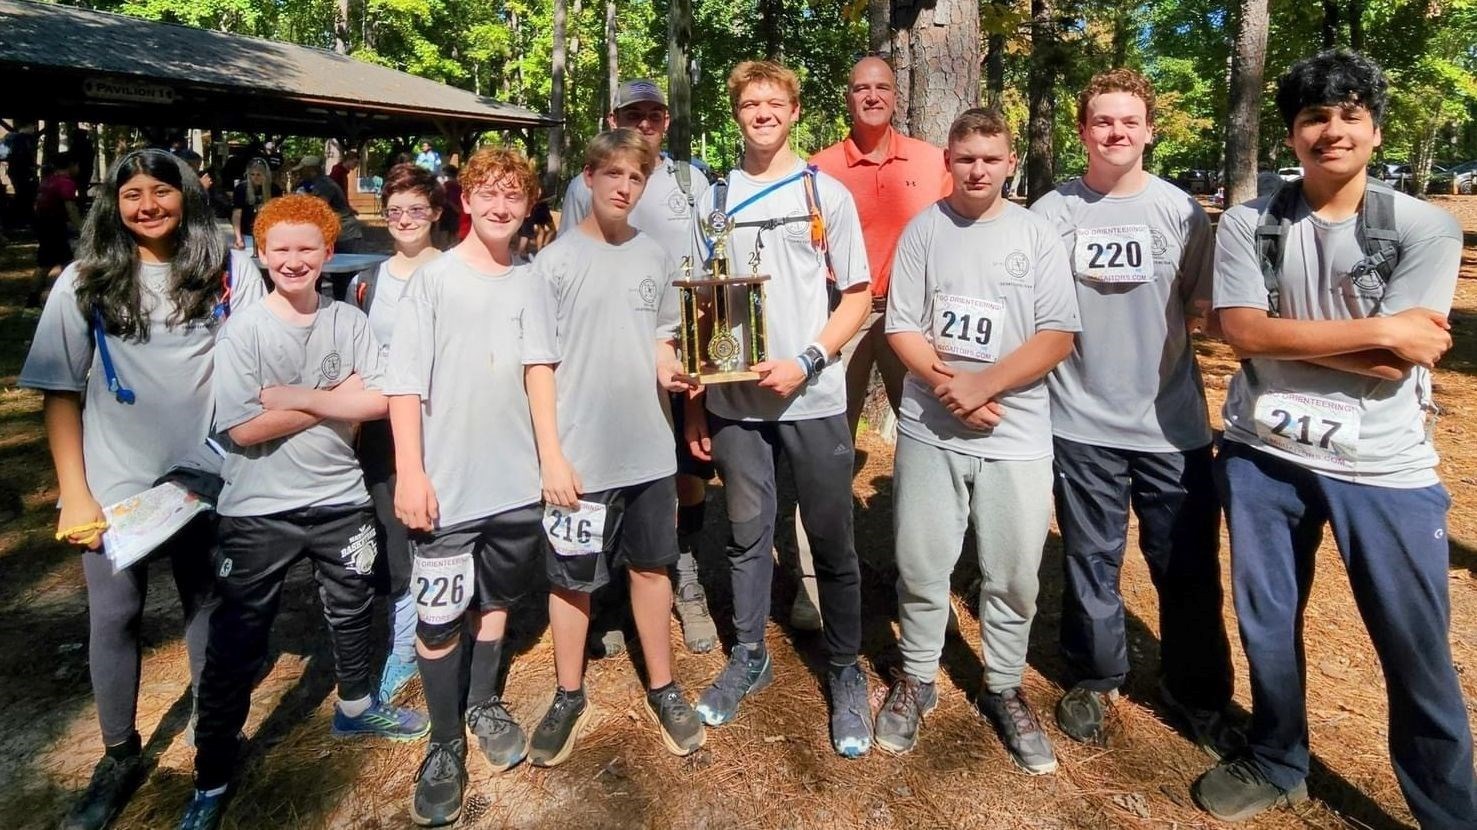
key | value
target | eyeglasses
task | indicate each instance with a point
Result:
(419, 213)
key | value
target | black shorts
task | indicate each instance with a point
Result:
(504, 551)
(53, 246)
(687, 463)
(640, 532)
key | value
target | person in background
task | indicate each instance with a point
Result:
(250, 194)
(428, 159)
(57, 220)
(344, 171)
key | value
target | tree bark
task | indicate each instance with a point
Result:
(612, 56)
(679, 78)
(341, 27)
(1041, 90)
(936, 52)
(1243, 124)
(771, 28)
(555, 163)
(1330, 23)
(1356, 25)
(879, 24)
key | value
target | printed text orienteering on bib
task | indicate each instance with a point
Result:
(443, 587)
(1118, 253)
(1315, 428)
(575, 532)
(968, 327)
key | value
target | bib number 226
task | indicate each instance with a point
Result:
(443, 587)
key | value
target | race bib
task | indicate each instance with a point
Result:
(1119, 253)
(1305, 425)
(968, 327)
(575, 532)
(443, 587)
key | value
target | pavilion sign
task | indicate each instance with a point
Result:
(133, 91)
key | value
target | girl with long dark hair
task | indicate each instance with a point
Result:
(122, 355)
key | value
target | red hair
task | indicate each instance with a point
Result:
(297, 209)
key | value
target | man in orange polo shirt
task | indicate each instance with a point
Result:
(891, 177)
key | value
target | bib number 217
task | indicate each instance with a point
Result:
(1319, 429)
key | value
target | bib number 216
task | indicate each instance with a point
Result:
(575, 532)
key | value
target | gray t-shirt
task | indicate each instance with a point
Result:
(977, 290)
(663, 212)
(126, 447)
(1345, 426)
(458, 346)
(385, 307)
(796, 301)
(1131, 381)
(601, 312)
(312, 468)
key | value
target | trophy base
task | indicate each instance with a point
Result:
(725, 377)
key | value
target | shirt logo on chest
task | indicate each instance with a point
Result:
(1017, 264)
(1160, 243)
(330, 368)
(647, 292)
(677, 203)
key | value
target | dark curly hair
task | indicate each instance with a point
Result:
(108, 260)
(1337, 78)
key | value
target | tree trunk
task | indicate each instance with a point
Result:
(679, 78)
(555, 164)
(1330, 23)
(995, 72)
(612, 59)
(879, 24)
(1356, 25)
(341, 27)
(1248, 63)
(939, 44)
(1041, 90)
(771, 28)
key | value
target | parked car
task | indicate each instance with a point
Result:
(1289, 173)
(1458, 178)
(1198, 182)
(1396, 174)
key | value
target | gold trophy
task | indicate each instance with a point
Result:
(723, 331)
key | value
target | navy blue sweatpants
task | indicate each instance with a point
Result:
(1393, 543)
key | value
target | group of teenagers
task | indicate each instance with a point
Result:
(473, 427)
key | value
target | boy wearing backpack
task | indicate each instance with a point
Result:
(293, 374)
(799, 227)
(1335, 292)
(600, 359)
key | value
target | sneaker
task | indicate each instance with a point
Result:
(851, 711)
(1236, 790)
(501, 738)
(113, 782)
(382, 720)
(742, 676)
(204, 812)
(612, 643)
(396, 674)
(1080, 714)
(556, 734)
(909, 701)
(1210, 730)
(440, 784)
(804, 616)
(681, 730)
(699, 633)
(1020, 730)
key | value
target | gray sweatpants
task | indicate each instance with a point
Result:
(938, 492)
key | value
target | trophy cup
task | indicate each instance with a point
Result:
(723, 330)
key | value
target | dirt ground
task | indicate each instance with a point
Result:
(774, 766)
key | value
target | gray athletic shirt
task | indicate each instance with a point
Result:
(388, 290)
(601, 312)
(1386, 417)
(317, 466)
(796, 302)
(1131, 381)
(944, 266)
(126, 447)
(458, 346)
(663, 212)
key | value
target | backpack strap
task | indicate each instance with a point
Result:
(818, 236)
(1271, 238)
(682, 171)
(222, 308)
(110, 372)
(365, 283)
(1378, 238)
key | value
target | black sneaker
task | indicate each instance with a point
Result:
(1209, 729)
(501, 738)
(440, 784)
(1081, 712)
(744, 675)
(1236, 790)
(204, 812)
(681, 729)
(907, 704)
(851, 711)
(1020, 730)
(113, 782)
(554, 738)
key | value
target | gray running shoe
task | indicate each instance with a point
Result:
(1020, 730)
(1081, 712)
(744, 675)
(439, 784)
(907, 704)
(609, 644)
(682, 731)
(699, 633)
(851, 711)
(501, 738)
(1210, 730)
(1236, 790)
(556, 734)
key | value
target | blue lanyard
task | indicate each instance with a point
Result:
(756, 197)
(99, 333)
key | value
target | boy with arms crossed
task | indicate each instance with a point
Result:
(800, 227)
(981, 308)
(1130, 426)
(293, 374)
(467, 486)
(600, 359)
(1325, 423)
